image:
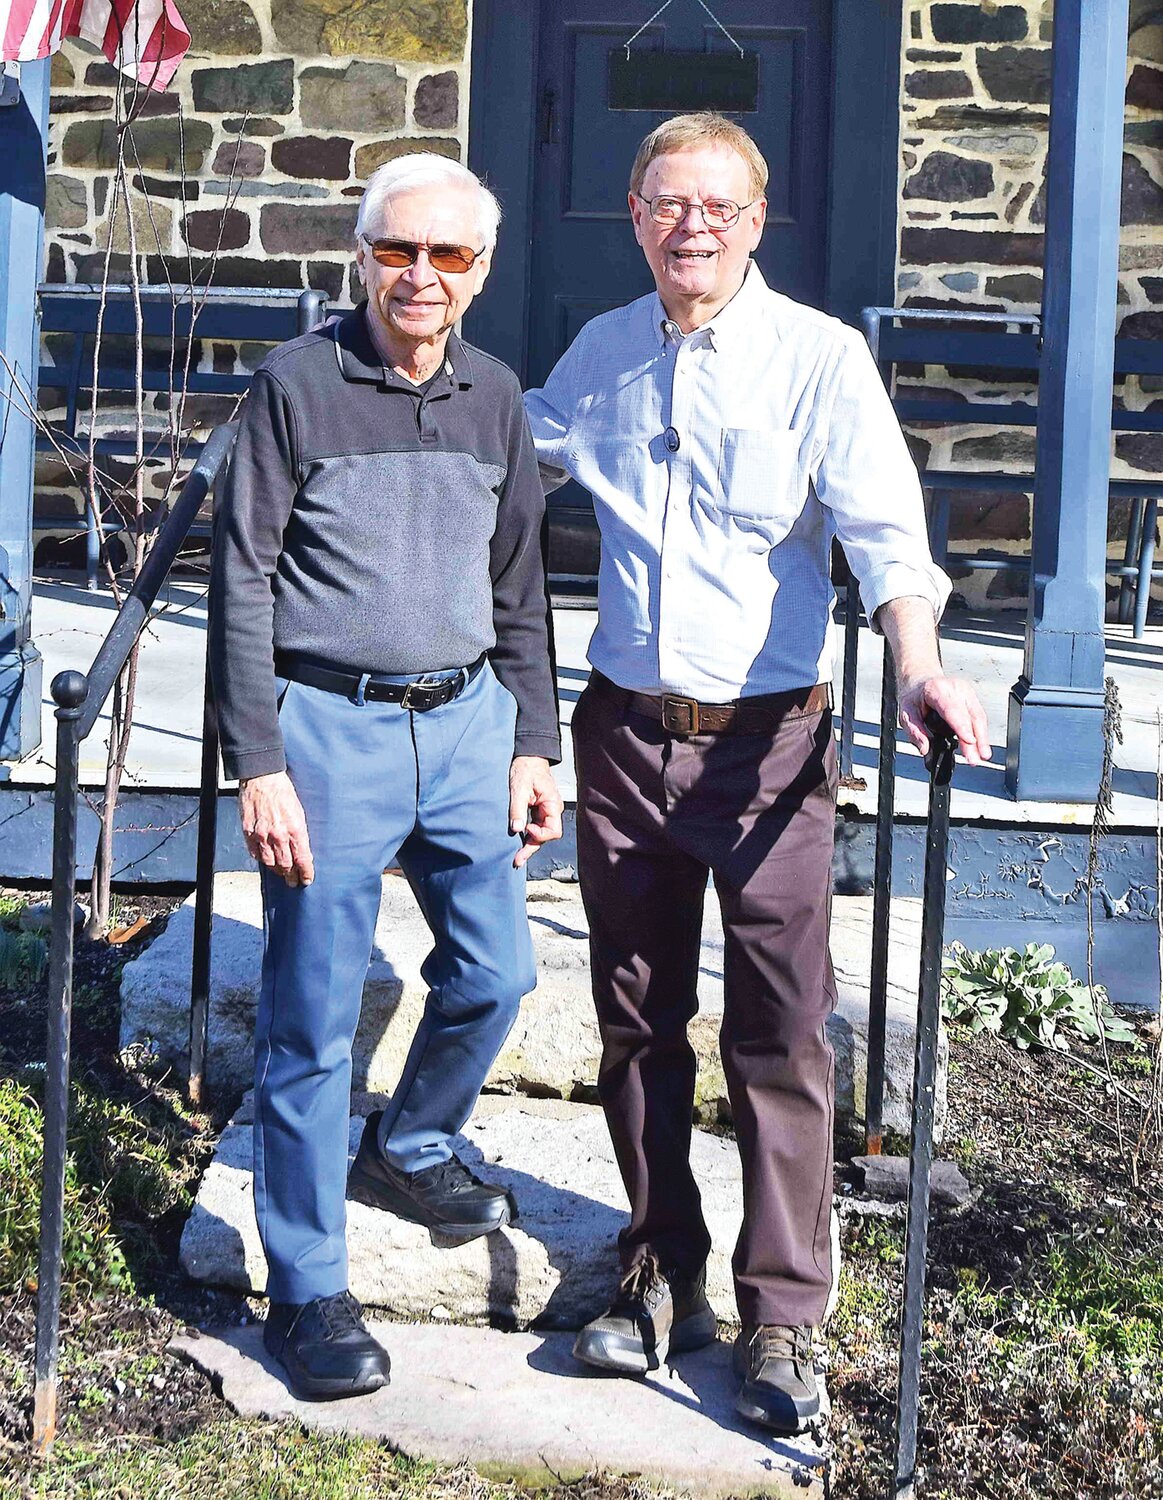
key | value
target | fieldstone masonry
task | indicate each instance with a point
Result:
(975, 117)
(247, 170)
(284, 107)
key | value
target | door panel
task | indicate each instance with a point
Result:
(584, 258)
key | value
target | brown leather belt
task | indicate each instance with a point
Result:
(755, 715)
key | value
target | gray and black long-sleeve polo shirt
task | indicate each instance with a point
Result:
(375, 526)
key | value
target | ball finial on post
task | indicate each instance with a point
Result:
(69, 689)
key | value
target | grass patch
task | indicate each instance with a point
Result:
(23, 959)
(126, 1168)
(93, 1260)
(237, 1461)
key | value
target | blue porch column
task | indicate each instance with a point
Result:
(23, 137)
(1054, 749)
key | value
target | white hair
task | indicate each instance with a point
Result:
(421, 169)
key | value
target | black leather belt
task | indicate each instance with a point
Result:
(420, 695)
(759, 714)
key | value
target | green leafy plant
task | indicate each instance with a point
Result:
(1027, 997)
(23, 959)
(92, 1257)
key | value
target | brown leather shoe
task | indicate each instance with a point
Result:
(780, 1387)
(652, 1315)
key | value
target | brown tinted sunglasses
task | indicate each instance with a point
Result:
(401, 253)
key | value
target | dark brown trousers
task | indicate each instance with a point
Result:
(655, 813)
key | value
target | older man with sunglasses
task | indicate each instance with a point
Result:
(381, 659)
(727, 434)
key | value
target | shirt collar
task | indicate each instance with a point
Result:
(359, 359)
(730, 323)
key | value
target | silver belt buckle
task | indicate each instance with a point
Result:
(680, 715)
(422, 686)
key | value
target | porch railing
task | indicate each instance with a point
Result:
(980, 340)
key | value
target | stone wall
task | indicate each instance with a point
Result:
(259, 150)
(260, 147)
(254, 157)
(975, 113)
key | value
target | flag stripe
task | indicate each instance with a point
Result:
(146, 39)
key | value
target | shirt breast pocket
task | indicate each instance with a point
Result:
(759, 472)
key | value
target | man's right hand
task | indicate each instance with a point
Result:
(275, 827)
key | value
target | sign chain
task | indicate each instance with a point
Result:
(666, 6)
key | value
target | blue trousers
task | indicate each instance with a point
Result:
(381, 784)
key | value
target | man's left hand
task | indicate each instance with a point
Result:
(957, 703)
(535, 805)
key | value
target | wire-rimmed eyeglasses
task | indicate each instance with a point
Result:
(718, 213)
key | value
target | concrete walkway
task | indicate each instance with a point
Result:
(68, 625)
(518, 1405)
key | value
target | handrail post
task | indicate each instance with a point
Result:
(881, 914)
(79, 698)
(311, 305)
(848, 689)
(940, 764)
(69, 690)
(1146, 568)
(204, 890)
(1130, 558)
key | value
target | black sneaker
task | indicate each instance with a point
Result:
(651, 1316)
(325, 1348)
(780, 1388)
(452, 1204)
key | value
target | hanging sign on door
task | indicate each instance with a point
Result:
(682, 81)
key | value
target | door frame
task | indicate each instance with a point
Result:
(863, 159)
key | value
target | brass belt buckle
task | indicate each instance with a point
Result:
(680, 715)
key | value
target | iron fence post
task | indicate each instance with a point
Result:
(940, 764)
(68, 690)
(204, 888)
(848, 690)
(881, 914)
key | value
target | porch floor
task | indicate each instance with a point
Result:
(69, 624)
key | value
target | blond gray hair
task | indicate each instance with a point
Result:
(421, 169)
(688, 133)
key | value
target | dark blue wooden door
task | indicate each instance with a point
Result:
(584, 256)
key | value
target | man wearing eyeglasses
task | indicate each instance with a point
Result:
(381, 663)
(726, 434)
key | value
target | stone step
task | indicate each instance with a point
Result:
(555, 1267)
(554, 1049)
(517, 1406)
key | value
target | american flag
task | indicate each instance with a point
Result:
(146, 39)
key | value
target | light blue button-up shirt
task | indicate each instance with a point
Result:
(721, 465)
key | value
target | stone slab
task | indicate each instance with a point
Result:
(556, 1266)
(554, 1048)
(887, 1177)
(516, 1405)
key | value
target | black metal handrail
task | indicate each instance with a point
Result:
(939, 762)
(79, 697)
